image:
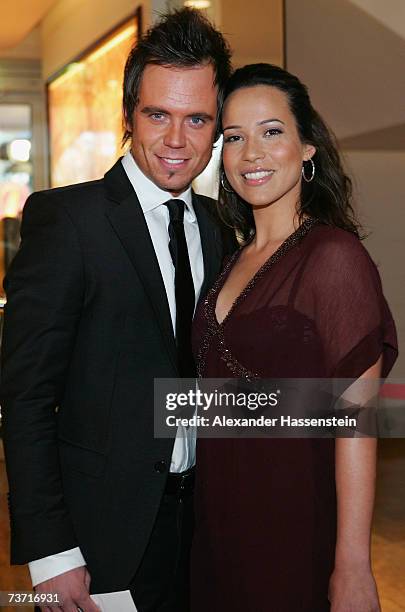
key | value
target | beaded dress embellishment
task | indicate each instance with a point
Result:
(215, 329)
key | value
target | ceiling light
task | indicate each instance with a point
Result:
(19, 150)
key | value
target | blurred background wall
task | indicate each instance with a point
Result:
(351, 54)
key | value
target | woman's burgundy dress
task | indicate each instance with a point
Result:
(266, 508)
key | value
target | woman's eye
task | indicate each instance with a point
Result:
(273, 132)
(233, 138)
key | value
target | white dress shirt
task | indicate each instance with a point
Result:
(151, 199)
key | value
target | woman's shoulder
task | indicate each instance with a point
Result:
(335, 250)
(329, 235)
(335, 241)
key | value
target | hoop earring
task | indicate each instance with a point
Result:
(311, 178)
(223, 183)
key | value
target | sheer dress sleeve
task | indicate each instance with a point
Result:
(351, 314)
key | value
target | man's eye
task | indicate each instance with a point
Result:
(157, 116)
(197, 121)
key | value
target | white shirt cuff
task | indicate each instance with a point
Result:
(49, 567)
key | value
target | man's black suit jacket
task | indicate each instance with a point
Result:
(87, 329)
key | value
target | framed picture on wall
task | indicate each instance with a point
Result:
(85, 108)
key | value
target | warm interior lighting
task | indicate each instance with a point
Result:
(85, 140)
(19, 150)
(113, 42)
(71, 70)
(198, 4)
(75, 67)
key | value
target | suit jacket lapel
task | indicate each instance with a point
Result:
(127, 219)
(210, 243)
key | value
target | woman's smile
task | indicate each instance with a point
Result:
(257, 177)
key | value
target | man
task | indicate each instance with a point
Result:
(100, 300)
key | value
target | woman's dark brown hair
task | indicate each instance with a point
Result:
(328, 196)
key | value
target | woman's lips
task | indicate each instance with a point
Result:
(257, 177)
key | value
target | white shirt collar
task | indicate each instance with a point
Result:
(150, 196)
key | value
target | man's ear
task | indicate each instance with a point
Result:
(308, 152)
(128, 124)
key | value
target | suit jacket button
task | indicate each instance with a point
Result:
(160, 466)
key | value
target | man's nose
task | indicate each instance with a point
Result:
(174, 136)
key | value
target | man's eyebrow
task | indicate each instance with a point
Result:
(154, 109)
(203, 115)
(150, 110)
(239, 127)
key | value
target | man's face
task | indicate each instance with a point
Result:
(173, 125)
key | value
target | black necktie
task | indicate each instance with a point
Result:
(184, 288)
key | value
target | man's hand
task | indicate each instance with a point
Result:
(72, 588)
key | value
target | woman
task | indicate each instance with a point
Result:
(283, 525)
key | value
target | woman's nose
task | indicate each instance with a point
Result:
(253, 151)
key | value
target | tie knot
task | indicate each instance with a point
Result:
(176, 210)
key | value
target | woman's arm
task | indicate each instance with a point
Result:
(352, 585)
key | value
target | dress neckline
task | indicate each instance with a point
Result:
(284, 247)
(216, 329)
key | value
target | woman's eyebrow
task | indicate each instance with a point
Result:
(270, 121)
(239, 127)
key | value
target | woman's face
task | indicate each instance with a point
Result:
(262, 152)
